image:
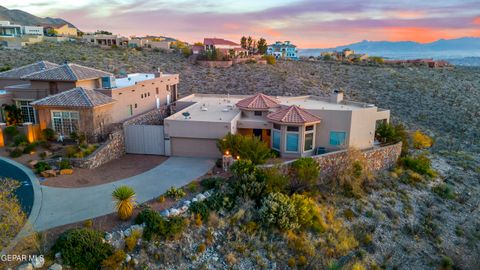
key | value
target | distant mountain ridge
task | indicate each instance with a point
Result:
(24, 18)
(443, 48)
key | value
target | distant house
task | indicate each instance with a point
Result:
(421, 62)
(63, 30)
(225, 46)
(105, 40)
(7, 29)
(149, 42)
(283, 50)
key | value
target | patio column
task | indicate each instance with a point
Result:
(2, 140)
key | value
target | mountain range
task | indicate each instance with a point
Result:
(440, 49)
(24, 18)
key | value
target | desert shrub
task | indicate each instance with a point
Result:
(387, 133)
(275, 180)
(29, 148)
(48, 134)
(12, 217)
(71, 151)
(353, 174)
(291, 262)
(270, 59)
(200, 208)
(212, 182)
(42, 166)
(17, 152)
(446, 263)
(300, 243)
(11, 131)
(82, 248)
(161, 199)
(277, 210)
(131, 241)
(88, 223)
(348, 214)
(20, 139)
(114, 261)
(358, 266)
(157, 225)
(193, 186)
(421, 141)
(201, 248)
(175, 193)
(445, 191)
(124, 197)
(243, 168)
(305, 172)
(420, 164)
(64, 164)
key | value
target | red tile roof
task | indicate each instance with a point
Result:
(219, 41)
(293, 115)
(257, 102)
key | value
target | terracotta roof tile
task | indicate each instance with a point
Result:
(293, 115)
(258, 102)
(77, 97)
(219, 41)
(67, 72)
(19, 72)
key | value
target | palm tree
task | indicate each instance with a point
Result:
(124, 197)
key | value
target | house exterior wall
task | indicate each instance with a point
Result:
(33, 30)
(9, 82)
(66, 30)
(363, 125)
(40, 89)
(142, 97)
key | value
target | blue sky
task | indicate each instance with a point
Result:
(308, 23)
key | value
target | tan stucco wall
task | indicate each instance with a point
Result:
(132, 95)
(66, 31)
(363, 127)
(187, 147)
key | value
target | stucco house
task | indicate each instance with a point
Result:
(63, 30)
(224, 46)
(283, 50)
(293, 126)
(84, 99)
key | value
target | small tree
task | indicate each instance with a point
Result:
(262, 46)
(243, 42)
(421, 141)
(254, 149)
(385, 133)
(305, 172)
(124, 197)
(13, 115)
(12, 218)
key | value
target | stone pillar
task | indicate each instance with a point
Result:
(2, 138)
(227, 161)
(29, 132)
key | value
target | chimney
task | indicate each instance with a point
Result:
(337, 96)
(158, 73)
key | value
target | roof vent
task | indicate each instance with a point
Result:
(225, 110)
(204, 109)
(186, 114)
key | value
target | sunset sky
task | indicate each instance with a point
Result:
(307, 23)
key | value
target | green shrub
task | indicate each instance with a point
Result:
(29, 148)
(305, 172)
(82, 248)
(64, 164)
(48, 134)
(271, 60)
(212, 182)
(420, 164)
(42, 166)
(19, 139)
(71, 151)
(175, 193)
(157, 225)
(17, 152)
(200, 208)
(278, 210)
(245, 147)
(114, 261)
(445, 191)
(11, 131)
(275, 180)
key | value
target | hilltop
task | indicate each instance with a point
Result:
(409, 225)
(24, 18)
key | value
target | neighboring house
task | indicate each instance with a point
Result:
(14, 76)
(197, 49)
(224, 46)
(294, 126)
(105, 40)
(148, 42)
(44, 93)
(63, 30)
(283, 50)
(8, 29)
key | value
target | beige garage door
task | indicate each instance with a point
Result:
(187, 147)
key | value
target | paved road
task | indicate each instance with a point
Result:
(60, 206)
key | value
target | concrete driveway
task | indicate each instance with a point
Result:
(60, 206)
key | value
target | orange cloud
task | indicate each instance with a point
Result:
(476, 20)
(419, 34)
(271, 32)
(409, 14)
(231, 26)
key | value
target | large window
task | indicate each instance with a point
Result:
(309, 135)
(292, 142)
(28, 113)
(338, 138)
(65, 122)
(276, 135)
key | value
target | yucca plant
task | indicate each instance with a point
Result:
(124, 197)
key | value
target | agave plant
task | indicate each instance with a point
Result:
(124, 197)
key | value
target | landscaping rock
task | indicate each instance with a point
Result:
(174, 212)
(48, 153)
(165, 213)
(108, 237)
(55, 266)
(186, 203)
(128, 258)
(32, 163)
(66, 171)
(25, 266)
(200, 197)
(48, 173)
(135, 261)
(38, 261)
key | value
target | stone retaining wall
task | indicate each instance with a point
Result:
(153, 117)
(378, 159)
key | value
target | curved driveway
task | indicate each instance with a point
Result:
(60, 206)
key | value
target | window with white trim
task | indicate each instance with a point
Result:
(28, 112)
(65, 122)
(309, 138)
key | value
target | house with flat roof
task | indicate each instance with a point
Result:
(224, 46)
(47, 96)
(293, 126)
(63, 30)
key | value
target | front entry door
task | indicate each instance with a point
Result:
(257, 133)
